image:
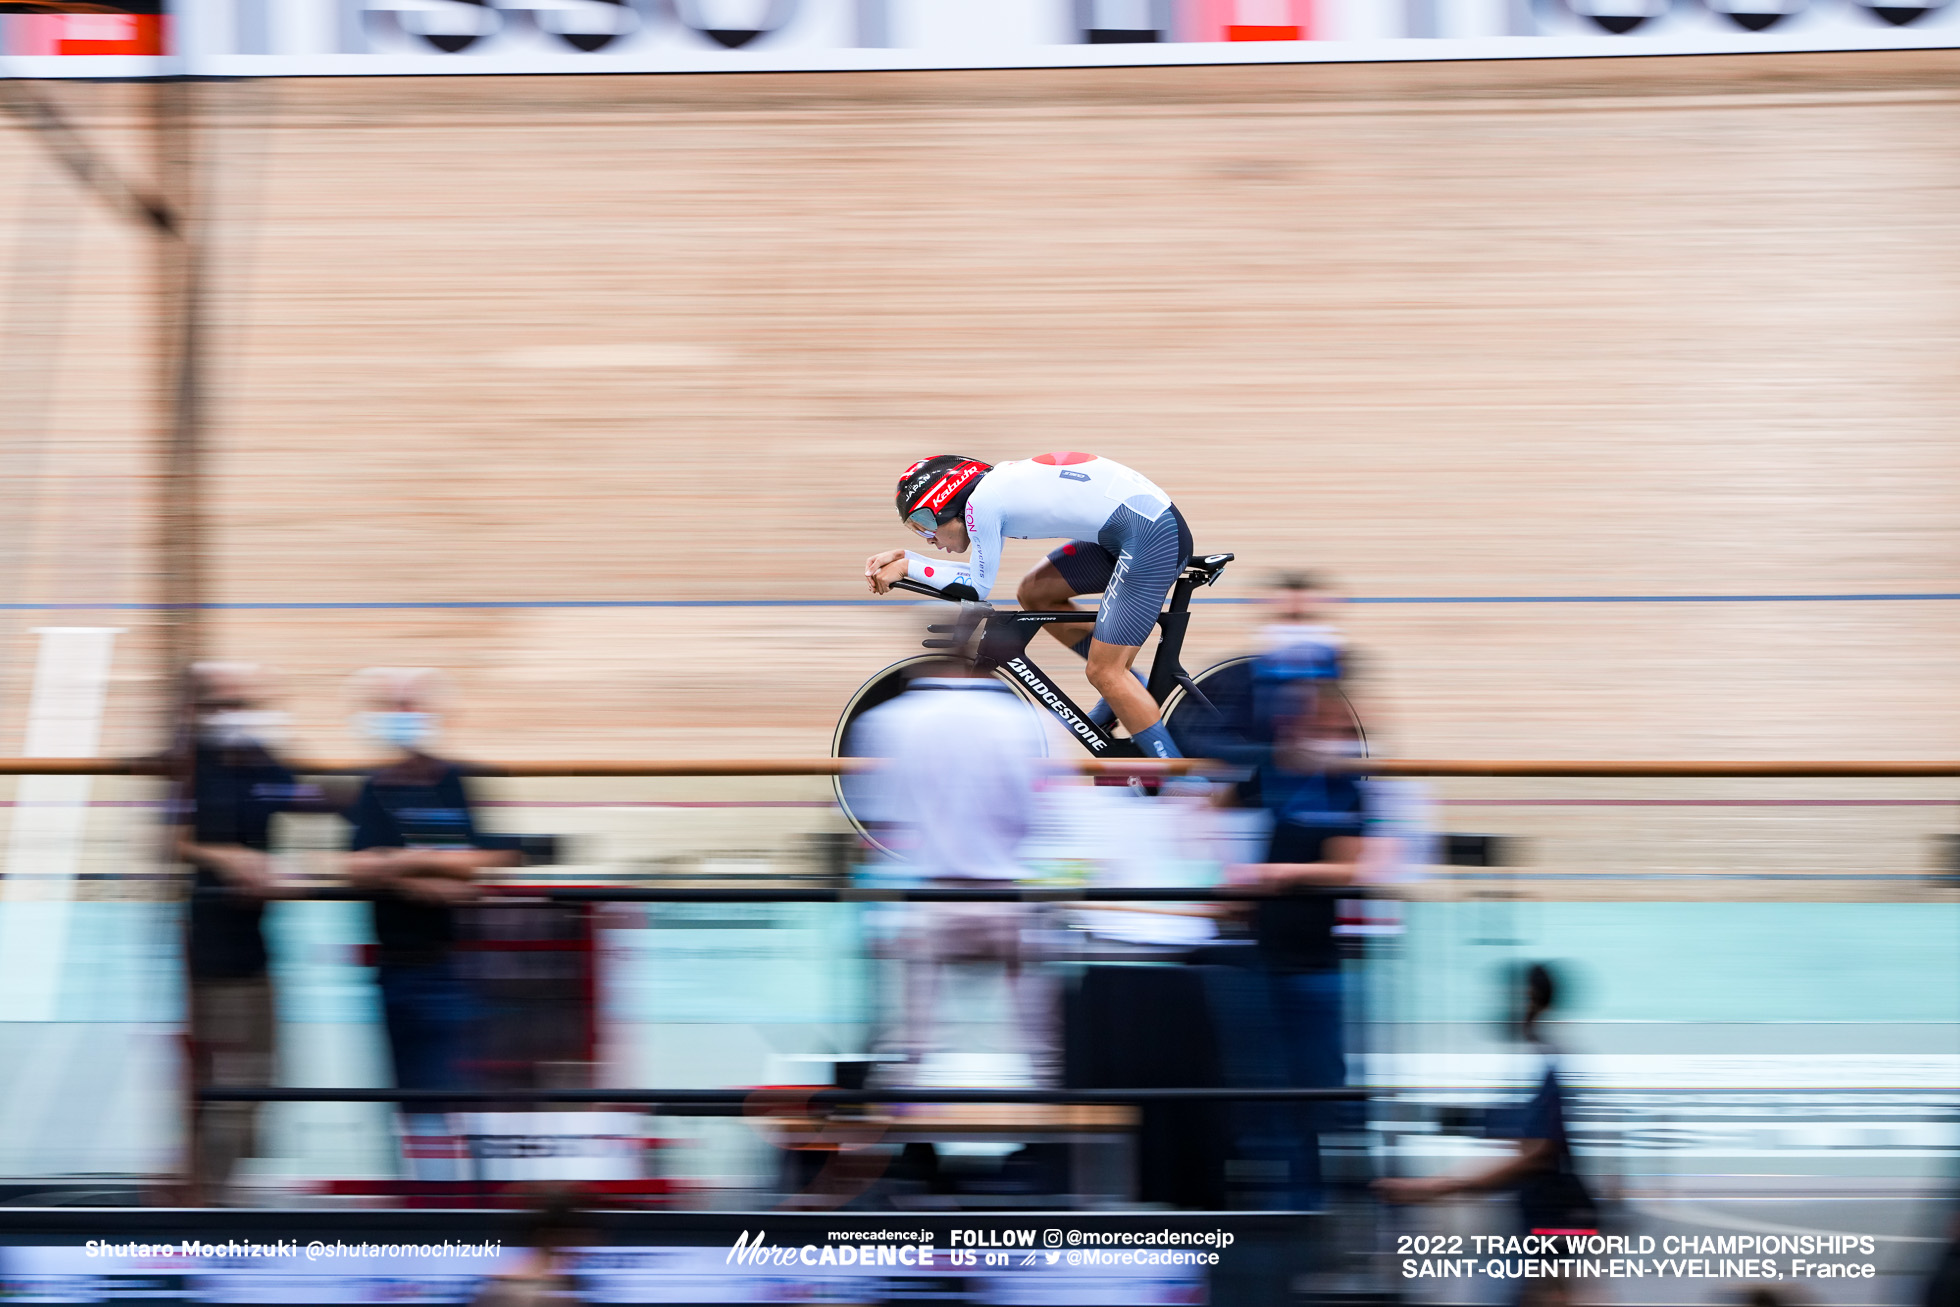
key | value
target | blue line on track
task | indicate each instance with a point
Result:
(443, 605)
(1903, 597)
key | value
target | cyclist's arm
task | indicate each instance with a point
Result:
(949, 576)
(973, 579)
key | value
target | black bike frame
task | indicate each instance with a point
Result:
(1004, 639)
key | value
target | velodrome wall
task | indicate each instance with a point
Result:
(1614, 389)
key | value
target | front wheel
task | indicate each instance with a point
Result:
(882, 689)
(1218, 721)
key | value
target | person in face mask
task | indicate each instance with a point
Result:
(223, 828)
(1290, 1013)
(417, 851)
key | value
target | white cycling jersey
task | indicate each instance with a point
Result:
(1064, 496)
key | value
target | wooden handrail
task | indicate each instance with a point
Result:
(1705, 770)
(676, 767)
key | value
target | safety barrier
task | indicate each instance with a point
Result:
(520, 894)
(777, 1097)
(1139, 767)
(744, 1101)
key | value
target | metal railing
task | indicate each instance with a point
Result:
(1122, 767)
(769, 1098)
(765, 1100)
(736, 1101)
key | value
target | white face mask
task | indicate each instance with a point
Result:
(403, 730)
(236, 727)
(1337, 747)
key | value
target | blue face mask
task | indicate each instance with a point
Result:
(403, 730)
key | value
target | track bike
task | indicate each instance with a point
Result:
(1204, 713)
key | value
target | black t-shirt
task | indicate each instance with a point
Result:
(1553, 1196)
(1295, 930)
(400, 810)
(235, 790)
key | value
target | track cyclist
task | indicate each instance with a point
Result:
(1125, 541)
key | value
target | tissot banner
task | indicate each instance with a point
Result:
(271, 38)
(81, 28)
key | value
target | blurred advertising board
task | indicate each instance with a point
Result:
(278, 38)
(398, 1268)
(89, 29)
(1155, 1259)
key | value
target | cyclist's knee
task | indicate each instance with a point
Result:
(1043, 588)
(1109, 665)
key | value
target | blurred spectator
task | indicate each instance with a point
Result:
(224, 832)
(1302, 608)
(553, 1234)
(1300, 644)
(1319, 842)
(954, 797)
(1540, 1172)
(417, 851)
(1943, 1288)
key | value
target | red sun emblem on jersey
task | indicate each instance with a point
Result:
(1064, 459)
(928, 571)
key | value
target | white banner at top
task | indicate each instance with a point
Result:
(310, 38)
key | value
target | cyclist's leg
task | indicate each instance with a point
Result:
(1080, 567)
(1112, 671)
(1149, 556)
(1077, 568)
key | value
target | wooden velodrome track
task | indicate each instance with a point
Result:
(1608, 330)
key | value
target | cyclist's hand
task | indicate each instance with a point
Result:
(879, 570)
(882, 579)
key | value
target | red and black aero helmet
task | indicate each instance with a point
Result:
(934, 490)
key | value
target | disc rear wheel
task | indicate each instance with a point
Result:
(1218, 721)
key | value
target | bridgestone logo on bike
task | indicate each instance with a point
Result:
(1055, 705)
(1004, 637)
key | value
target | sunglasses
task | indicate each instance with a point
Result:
(924, 520)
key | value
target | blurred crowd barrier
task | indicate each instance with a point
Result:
(1734, 948)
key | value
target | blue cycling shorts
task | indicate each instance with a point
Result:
(1131, 563)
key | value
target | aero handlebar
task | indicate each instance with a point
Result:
(920, 588)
